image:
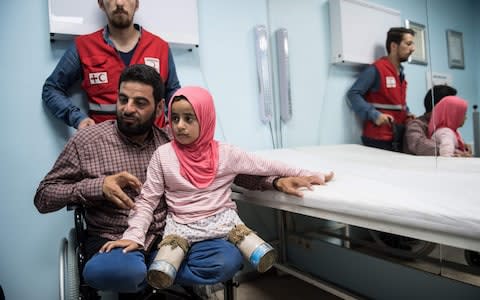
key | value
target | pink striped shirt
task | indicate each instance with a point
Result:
(186, 203)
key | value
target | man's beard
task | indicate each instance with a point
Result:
(405, 58)
(120, 19)
(132, 130)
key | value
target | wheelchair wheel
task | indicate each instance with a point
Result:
(472, 258)
(69, 274)
(400, 246)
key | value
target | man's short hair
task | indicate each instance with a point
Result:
(395, 35)
(437, 93)
(147, 75)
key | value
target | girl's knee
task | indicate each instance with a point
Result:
(220, 262)
(116, 271)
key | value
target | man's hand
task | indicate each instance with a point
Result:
(127, 246)
(290, 185)
(113, 189)
(384, 119)
(410, 117)
(85, 123)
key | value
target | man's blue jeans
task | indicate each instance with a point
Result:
(206, 262)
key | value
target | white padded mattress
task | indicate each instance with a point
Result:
(422, 197)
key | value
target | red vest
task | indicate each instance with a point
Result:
(102, 67)
(390, 98)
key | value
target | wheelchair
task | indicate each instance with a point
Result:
(72, 259)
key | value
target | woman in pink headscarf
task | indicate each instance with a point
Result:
(447, 116)
(195, 173)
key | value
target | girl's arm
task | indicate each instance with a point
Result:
(242, 162)
(446, 141)
(152, 192)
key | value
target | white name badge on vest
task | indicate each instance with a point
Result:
(390, 81)
(153, 62)
(98, 78)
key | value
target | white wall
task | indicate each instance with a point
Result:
(32, 139)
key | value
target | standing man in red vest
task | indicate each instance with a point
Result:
(378, 96)
(97, 59)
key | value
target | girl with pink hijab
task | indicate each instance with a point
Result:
(447, 116)
(195, 173)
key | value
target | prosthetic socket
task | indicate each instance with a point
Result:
(258, 252)
(163, 270)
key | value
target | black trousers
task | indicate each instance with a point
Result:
(385, 145)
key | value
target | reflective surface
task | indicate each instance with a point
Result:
(460, 17)
(320, 111)
(318, 90)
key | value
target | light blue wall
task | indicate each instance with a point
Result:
(225, 62)
(30, 143)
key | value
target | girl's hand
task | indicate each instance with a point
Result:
(290, 185)
(127, 246)
(459, 153)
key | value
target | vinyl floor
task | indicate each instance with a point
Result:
(277, 287)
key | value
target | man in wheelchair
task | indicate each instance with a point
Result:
(102, 168)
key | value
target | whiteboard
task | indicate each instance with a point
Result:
(358, 30)
(174, 21)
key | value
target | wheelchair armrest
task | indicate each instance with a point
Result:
(79, 219)
(80, 232)
(73, 206)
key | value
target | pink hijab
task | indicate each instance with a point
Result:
(198, 160)
(449, 112)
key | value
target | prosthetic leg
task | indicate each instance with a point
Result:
(163, 270)
(258, 252)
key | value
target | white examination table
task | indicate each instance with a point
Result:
(391, 192)
(426, 198)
